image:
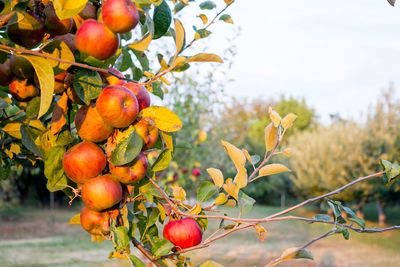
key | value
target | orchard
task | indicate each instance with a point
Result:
(73, 98)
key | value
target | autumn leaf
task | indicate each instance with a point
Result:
(271, 169)
(270, 137)
(216, 175)
(142, 44)
(275, 117)
(204, 57)
(231, 188)
(164, 119)
(76, 219)
(58, 119)
(221, 199)
(179, 193)
(288, 120)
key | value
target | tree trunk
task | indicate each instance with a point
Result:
(381, 212)
(283, 199)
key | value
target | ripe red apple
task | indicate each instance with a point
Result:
(23, 90)
(94, 222)
(184, 233)
(196, 172)
(101, 193)
(28, 32)
(84, 161)
(95, 39)
(53, 24)
(120, 15)
(117, 106)
(90, 125)
(141, 94)
(132, 172)
(148, 131)
(5, 73)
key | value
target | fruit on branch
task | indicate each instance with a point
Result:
(95, 39)
(23, 90)
(6, 74)
(53, 24)
(120, 15)
(90, 126)
(141, 94)
(148, 131)
(196, 172)
(68, 39)
(94, 222)
(84, 161)
(89, 11)
(101, 193)
(184, 233)
(112, 79)
(132, 172)
(117, 106)
(21, 67)
(28, 32)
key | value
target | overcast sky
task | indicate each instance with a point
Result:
(338, 55)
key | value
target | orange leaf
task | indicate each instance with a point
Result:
(58, 119)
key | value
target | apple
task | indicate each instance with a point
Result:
(90, 126)
(184, 233)
(95, 39)
(196, 172)
(53, 24)
(101, 193)
(28, 32)
(23, 90)
(117, 106)
(148, 131)
(120, 16)
(94, 222)
(131, 172)
(6, 74)
(141, 94)
(84, 161)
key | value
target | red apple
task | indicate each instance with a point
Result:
(120, 15)
(117, 106)
(141, 94)
(23, 90)
(184, 233)
(148, 131)
(84, 161)
(94, 222)
(101, 193)
(95, 39)
(132, 172)
(90, 125)
(196, 172)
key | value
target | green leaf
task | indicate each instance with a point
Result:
(45, 75)
(32, 109)
(53, 169)
(322, 217)
(149, 191)
(125, 62)
(246, 203)
(68, 8)
(358, 221)
(226, 18)
(349, 211)
(203, 222)
(255, 159)
(136, 262)
(60, 50)
(87, 85)
(206, 191)
(28, 141)
(127, 149)
(120, 238)
(157, 90)
(162, 161)
(161, 247)
(345, 232)
(143, 60)
(162, 19)
(336, 207)
(208, 5)
(202, 33)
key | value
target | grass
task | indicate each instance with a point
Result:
(36, 237)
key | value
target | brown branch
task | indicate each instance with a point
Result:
(165, 196)
(145, 252)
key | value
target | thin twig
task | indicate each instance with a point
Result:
(145, 252)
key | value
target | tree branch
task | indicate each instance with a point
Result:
(145, 252)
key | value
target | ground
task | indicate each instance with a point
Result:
(38, 237)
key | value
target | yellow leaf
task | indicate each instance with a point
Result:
(142, 207)
(179, 36)
(179, 193)
(143, 44)
(292, 253)
(168, 141)
(163, 118)
(230, 203)
(14, 149)
(76, 219)
(45, 75)
(272, 169)
(37, 124)
(275, 117)
(221, 199)
(162, 211)
(260, 231)
(228, 2)
(179, 61)
(288, 120)
(60, 50)
(165, 81)
(211, 263)
(58, 119)
(247, 155)
(68, 8)
(196, 209)
(270, 137)
(205, 57)
(287, 152)
(241, 178)
(216, 175)
(203, 18)
(117, 255)
(231, 188)
(236, 155)
(13, 129)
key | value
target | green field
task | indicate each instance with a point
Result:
(37, 237)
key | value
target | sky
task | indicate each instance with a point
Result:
(338, 55)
